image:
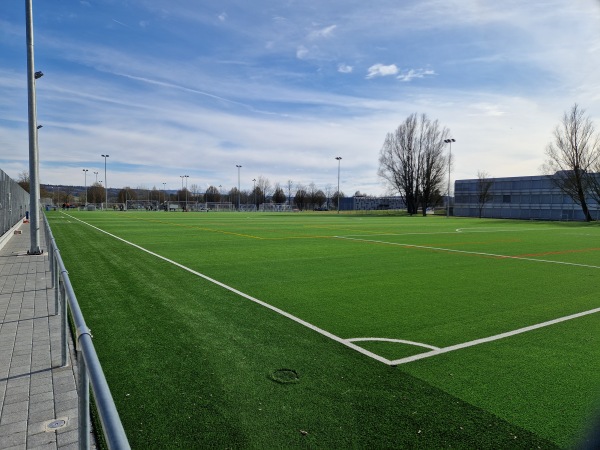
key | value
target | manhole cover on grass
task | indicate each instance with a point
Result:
(284, 376)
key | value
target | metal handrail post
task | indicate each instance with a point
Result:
(64, 328)
(83, 402)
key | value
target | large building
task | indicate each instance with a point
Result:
(535, 197)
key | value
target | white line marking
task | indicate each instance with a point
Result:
(248, 297)
(399, 341)
(348, 342)
(441, 249)
(492, 338)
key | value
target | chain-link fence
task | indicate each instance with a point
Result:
(14, 202)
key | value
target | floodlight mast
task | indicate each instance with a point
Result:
(449, 142)
(34, 164)
(239, 197)
(85, 171)
(339, 159)
(105, 183)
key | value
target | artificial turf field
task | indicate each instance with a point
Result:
(195, 358)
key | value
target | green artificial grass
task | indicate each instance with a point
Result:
(193, 365)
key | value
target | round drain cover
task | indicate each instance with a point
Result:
(285, 376)
(57, 424)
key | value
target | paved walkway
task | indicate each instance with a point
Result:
(36, 394)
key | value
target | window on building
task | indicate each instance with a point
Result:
(506, 199)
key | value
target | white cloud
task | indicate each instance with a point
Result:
(411, 74)
(301, 52)
(380, 70)
(223, 17)
(345, 68)
(323, 33)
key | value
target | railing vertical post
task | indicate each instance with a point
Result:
(64, 324)
(55, 282)
(84, 402)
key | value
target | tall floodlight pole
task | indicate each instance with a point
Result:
(164, 192)
(254, 189)
(34, 163)
(105, 182)
(186, 190)
(238, 168)
(85, 171)
(339, 159)
(449, 142)
(96, 173)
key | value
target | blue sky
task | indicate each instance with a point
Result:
(281, 87)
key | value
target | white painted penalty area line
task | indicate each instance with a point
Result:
(246, 296)
(451, 250)
(492, 338)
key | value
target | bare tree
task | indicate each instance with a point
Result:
(264, 189)
(484, 184)
(412, 161)
(572, 154)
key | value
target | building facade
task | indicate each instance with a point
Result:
(535, 197)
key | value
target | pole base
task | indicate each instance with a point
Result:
(38, 252)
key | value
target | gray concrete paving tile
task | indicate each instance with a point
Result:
(41, 439)
(17, 439)
(12, 428)
(8, 418)
(15, 407)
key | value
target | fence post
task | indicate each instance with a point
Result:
(84, 401)
(64, 324)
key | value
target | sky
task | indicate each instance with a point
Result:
(169, 88)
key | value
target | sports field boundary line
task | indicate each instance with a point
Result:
(244, 295)
(492, 338)
(349, 342)
(465, 252)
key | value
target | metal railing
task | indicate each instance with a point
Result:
(90, 372)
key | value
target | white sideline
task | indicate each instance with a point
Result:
(246, 296)
(349, 342)
(450, 250)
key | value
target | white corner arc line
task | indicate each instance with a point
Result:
(452, 250)
(493, 338)
(397, 341)
(246, 296)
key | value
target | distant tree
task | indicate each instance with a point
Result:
(335, 199)
(212, 194)
(484, 184)
(317, 198)
(278, 194)
(264, 189)
(23, 180)
(411, 160)
(235, 196)
(301, 198)
(126, 194)
(96, 193)
(572, 154)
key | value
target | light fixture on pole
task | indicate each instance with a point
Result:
(339, 159)
(85, 171)
(449, 142)
(105, 182)
(238, 168)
